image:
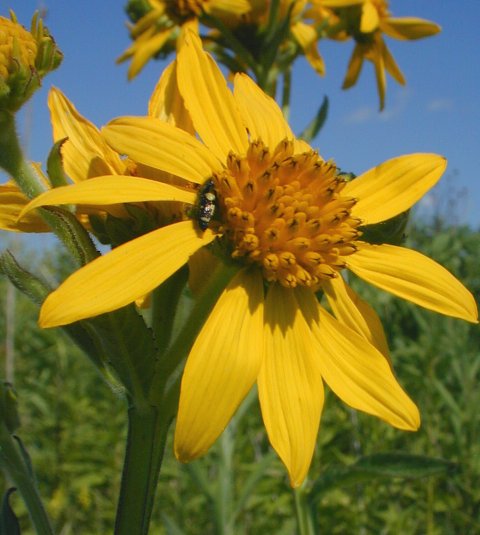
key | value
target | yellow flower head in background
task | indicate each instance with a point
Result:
(12, 202)
(25, 58)
(292, 224)
(367, 21)
(158, 29)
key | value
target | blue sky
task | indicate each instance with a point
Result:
(438, 110)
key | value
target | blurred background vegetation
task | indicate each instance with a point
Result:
(73, 426)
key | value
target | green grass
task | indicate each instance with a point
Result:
(73, 426)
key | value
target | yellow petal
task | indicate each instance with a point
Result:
(289, 384)
(167, 104)
(355, 313)
(228, 7)
(143, 49)
(354, 67)
(12, 203)
(394, 186)
(359, 374)
(415, 277)
(409, 28)
(341, 3)
(112, 190)
(123, 275)
(209, 101)
(376, 56)
(263, 118)
(85, 153)
(222, 366)
(391, 65)
(162, 146)
(370, 20)
(307, 38)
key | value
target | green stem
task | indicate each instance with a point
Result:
(147, 433)
(287, 91)
(303, 512)
(13, 463)
(12, 160)
(148, 426)
(63, 223)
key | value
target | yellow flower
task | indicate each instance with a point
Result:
(166, 20)
(12, 202)
(25, 58)
(85, 154)
(303, 33)
(275, 207)
(366, 21)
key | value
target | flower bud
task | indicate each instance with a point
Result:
(25, 58)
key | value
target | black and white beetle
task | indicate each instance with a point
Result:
(207, 204)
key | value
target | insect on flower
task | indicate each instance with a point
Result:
(207, 203)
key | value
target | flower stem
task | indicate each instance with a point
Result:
(147, 432)
(12, 160)
(15, 466)
(303, 512)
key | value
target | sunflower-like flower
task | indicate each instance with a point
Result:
(161, 25)
(269, 203)
(163, 21)
(366, 21)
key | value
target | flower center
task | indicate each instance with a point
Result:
(285, 213)
(183, 10)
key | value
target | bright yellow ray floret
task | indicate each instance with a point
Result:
(366, 21)
(293, 226)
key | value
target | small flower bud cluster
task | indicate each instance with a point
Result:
(25, 58)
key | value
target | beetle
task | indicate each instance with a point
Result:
(207, 204)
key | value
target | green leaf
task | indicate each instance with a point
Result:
(380, 466)
(37, 290)
(316, 123)
(128, 346)
(25, 457)
(172, 528)
(9, 407)
(248, 489)
(8, 520)
(55, 170)
(34, 288)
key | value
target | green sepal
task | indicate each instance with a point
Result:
(391, 231)
(116, 230)
(316, 124)
(380, 466)
(49, 56)
(55, 171)
(9, 524)
(136, 9)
